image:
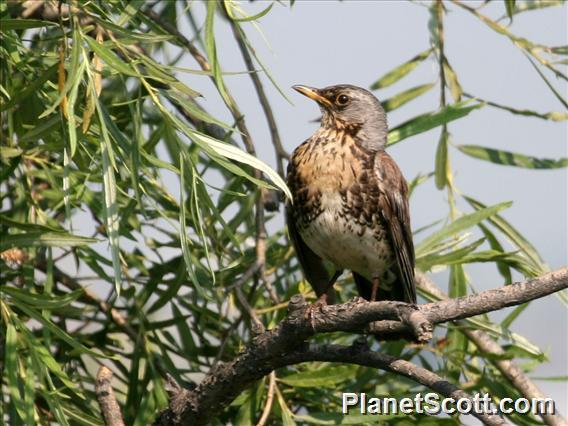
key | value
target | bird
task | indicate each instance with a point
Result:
(349, 201)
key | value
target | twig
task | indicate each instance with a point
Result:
(257, 326)
(106, 398)
(113, 314)
(281, 153)
(269, 399)
(268, 350)
(172, 30)
(507, 367)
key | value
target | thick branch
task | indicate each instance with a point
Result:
(268, 350)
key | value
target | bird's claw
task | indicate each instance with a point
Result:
(315, 307)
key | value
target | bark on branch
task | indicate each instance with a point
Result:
(107, 400)
(286, 344)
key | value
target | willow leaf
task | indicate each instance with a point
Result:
(507, 158)
(513, 235)
(404, 97)
(400, 71)
(430, 120)
(42, 239)
(461, 224)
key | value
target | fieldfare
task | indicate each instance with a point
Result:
(350, 200)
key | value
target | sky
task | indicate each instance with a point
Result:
(356, 42)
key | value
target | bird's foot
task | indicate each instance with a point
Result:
(315, 307)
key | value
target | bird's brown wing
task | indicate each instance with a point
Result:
(311, 263)
(393, 203)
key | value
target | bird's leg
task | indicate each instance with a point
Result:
(334, 278)
(375, 288)
(322, 299)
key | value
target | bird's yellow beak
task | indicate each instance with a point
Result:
(312, 93)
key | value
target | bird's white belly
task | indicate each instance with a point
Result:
(346, 243)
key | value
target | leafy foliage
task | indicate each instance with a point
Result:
(157, 214)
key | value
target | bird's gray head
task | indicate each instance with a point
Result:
(353, 109)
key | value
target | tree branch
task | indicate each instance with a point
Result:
(281, 153)
(271, 349)
(106, 398)
(365, 357)
(507, 367)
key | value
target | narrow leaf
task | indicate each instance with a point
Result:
(400, 71)
(404, 97)
(461, 224)
(38, 239)
(430, 120)
(512, 234)
(24, 24)
(442, 167)
(510, 6)
(508, 158)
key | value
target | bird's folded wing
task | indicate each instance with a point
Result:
(395, 212)
(311, 263)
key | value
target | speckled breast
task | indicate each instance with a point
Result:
(336, 208)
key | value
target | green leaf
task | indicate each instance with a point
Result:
(508, 158)
(323, 377)
(111, 210)
(286, 414)
(211, 49)
(263, 66)
(548, 83)
(513, 235)
(526, 6)
(231, 7)
(452, 81)
(127, 35)
(510, 6)
(183, 232)
(39, 239)
(345, 419)
(28, 226)
(6, 171)
(110, 58)
(32, 88)
(24, 24)
(457, 256)
(460, 224)
(55, 330)
(404, 97)
(457, 348)
(442, 165)
(554, 116)
(42, 301)
(400, 71)
(551, 379)
(193, 109)
(506, 323)
(234, 153)
(11, 373)
(494, 243)
(430, 120)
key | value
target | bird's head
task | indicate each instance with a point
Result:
(352, 109)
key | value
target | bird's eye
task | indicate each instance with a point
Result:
(342, 100)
